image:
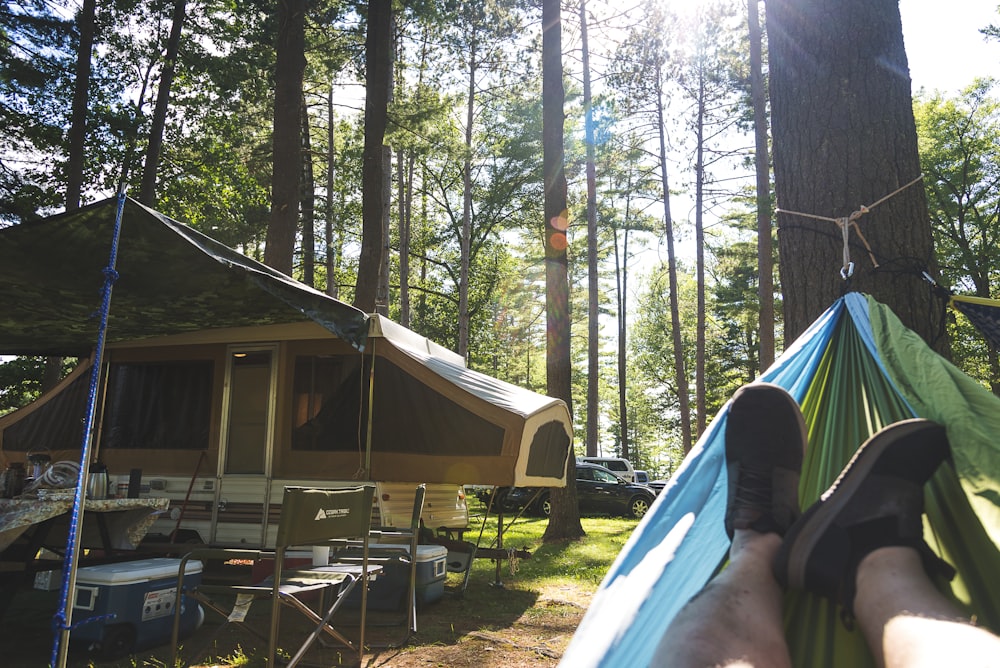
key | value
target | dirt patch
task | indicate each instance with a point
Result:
(512, 626)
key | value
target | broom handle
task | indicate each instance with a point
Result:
(187, 496)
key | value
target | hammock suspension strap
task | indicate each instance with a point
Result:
(845, 223)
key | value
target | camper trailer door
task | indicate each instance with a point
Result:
(246, 439)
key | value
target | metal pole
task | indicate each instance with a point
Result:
(62, 620)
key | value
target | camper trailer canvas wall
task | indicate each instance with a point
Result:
(229, 381)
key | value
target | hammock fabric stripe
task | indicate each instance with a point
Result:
(853, 371)
(983, 313)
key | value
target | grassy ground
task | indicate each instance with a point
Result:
(526, 620)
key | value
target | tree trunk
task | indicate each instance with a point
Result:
(332, 253)
(307, 188)
(404, 191)
(378, 77)
(680, 374)
(765, 251)
(78, 121)
(147, 190)
(593, 296)
(844, 137)
(699, 243)
(621, 269)
(289, 66)
(564, 522)
(77, 149)
(466, 232)
(382, 294)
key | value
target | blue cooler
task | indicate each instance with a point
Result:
(137, 599)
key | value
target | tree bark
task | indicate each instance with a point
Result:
(290, 62)
(307, 189)
(466, 231)
(564, 522)
(699, 243)
(147, 190)
(332, 254)
(680, 373)
(78, 121)
(844, 137)
(765, 250)
(378, 75)
(593, 295)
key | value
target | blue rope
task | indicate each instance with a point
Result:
(60, 625)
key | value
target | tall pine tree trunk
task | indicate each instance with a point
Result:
(762, 165)
(466, 231)
(77, 134)
(593, 296)
(844, 137)
(307, 187)
(147, 190)
(378, 78)
(564, 521)
(699, 242)
(332, 254)
(680, 373)
(290, 62)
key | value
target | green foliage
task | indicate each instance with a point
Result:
(21, 381)
(959, 140)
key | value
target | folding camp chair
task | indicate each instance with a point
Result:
(412, 534)
(309, 516)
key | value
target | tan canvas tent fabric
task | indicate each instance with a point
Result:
(401, 408)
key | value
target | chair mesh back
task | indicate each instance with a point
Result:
(310, 516)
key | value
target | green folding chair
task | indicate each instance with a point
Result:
(309, 516)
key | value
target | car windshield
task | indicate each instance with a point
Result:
(604, 476)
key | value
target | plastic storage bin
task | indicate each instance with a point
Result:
(137, 599)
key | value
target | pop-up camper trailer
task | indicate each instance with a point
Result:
(225, 380)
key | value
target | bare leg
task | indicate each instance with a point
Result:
(736, 620)
(907, 622)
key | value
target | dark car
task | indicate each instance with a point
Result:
(598, 491)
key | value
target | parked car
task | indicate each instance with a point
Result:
(598, 490)
(641, 477)
(620, 466)
(657, 485)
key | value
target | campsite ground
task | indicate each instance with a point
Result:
(529, 621)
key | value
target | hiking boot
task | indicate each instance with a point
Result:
(877, 501)
(765, 441)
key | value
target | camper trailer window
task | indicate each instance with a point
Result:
(158, 405)
(326, 402)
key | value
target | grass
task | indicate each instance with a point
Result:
(527, 620)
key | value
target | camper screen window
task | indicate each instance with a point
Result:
(326, 402)
(162, 405)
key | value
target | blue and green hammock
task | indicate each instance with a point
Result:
(855, 370)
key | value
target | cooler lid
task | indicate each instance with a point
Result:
(424, 552)
(129, 572)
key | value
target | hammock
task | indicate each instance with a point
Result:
(855, 370)
(981, 312)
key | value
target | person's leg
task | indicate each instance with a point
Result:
(736, 620)
(862, 545)
(907, 621)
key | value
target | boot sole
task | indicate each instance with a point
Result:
(802, 539)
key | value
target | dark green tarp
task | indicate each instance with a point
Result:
(171, 279)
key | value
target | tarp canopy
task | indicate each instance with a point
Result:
(855, 370)
(172, 279)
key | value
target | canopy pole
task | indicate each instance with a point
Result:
(62, 621)
(371, 411)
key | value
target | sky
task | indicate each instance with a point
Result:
(944, 46)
